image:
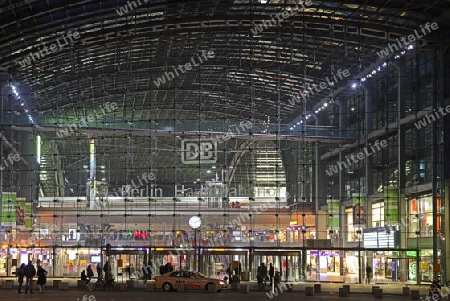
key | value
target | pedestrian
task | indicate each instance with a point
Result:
(144, 273)
(368, 273)
(30, 272)
(107, 270)
(42, 278)
(128, 270)
(271, 273)
(89, 273)
(99, 272)
(21, 274)
(262, 274)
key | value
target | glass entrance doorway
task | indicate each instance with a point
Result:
(127, 264)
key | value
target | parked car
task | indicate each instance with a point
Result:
(193, 280)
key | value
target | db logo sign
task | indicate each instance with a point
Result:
(194, 151)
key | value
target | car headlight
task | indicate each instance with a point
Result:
(222, 282)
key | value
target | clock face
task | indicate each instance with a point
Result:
(195, 222)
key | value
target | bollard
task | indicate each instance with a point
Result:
(378, 292)
(244, 289)
(130, 283)
(91, 286)
(414, 294)
(80, 283)
(317, 288)
(406, 291)
(122, 286)
(309, 291)
(56, 283)
(374, 288)
(343, 292)
(347, 288)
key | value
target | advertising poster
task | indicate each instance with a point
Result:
(390, 205)
(359, 210)
(9, 214)
(333, 214)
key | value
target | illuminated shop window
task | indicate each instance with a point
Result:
(420, 216)
(378, 215)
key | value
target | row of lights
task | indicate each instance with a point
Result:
(354, 85)
(22, 104)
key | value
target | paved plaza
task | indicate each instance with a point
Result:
(329, 292)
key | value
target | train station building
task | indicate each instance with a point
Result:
(219, 135)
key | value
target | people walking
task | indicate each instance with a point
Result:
(30, 272)
(21, 274)
(89, 272)
(42, 278)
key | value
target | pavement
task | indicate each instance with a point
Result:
(329, 292)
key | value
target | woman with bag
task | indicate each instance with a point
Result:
(42, 278)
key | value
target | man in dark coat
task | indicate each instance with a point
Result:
(30, 272)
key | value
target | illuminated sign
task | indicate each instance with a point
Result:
(198, 151)
(381, 238)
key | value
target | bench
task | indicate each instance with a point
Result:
(7, 285)
(309, 291)
(63, 286)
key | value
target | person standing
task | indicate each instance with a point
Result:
(144, 273)
(99, 272)
(271, 273)
(368, 273)
(90, 273)
(30, 272)
(42, 278)
(21, 274)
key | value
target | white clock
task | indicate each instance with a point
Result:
(195, 222)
